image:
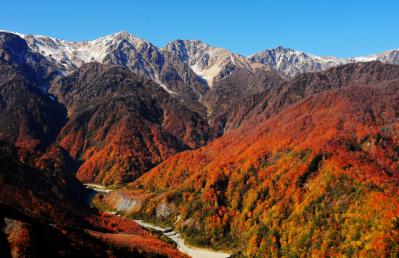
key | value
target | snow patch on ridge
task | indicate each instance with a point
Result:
(209, 63)
(166, 88)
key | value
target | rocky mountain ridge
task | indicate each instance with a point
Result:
(290, 62)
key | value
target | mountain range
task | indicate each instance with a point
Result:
(188, 68)
(281, 153)
(210, 63)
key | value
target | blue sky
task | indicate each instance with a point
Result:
(325, 27)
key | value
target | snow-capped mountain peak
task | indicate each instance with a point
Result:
(291, 62)
(210, 63)
(118, 37)
(69, 55)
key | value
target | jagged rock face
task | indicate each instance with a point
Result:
(121, 124)
(182, 81)
(119, 49)
(191, 57)
(187, 68)
(389, 57)
(210, 63)
(126, 50)
(291, 62)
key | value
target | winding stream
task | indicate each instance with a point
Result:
(194, 252)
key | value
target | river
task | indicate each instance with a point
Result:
(194, 252)
(98, 188)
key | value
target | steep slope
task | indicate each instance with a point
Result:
(318, 177)
(29, 117)
(211, 63)
(123, 49)
(240, 84)
(261, 106)
(291, 62)
(121, 124)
